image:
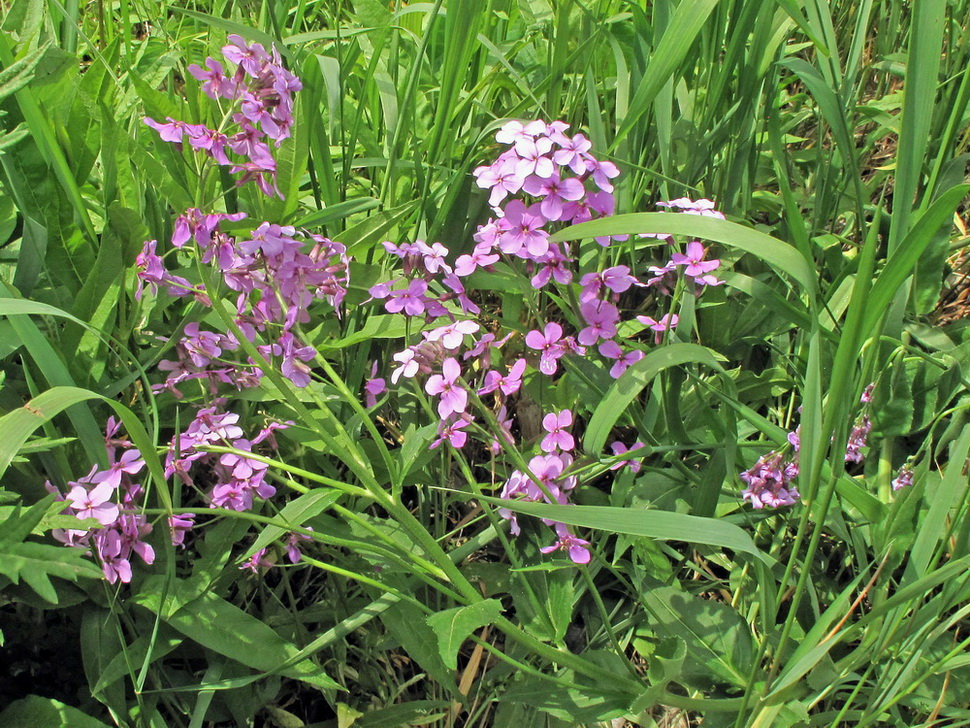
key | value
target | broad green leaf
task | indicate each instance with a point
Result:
(37, 712)
(224, 628)
(628, 387)
(717, 639)
(662, 525)
(297, 512)
(773, 251)
(35, 563)
(453, 626)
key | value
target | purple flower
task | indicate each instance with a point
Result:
(216, 83)
(857, 440)
(624, 359)
(294, 367)
(95, 503)
(619, 448)
(501, 178)
(170, 132)
(373, 388)
(130, 463)
(558, 438)
(151, 269)
(577, 548)
(667, 322)
(694, 260)
(252, 58)
(601, 317)
(481, 257)
(293, 541)
(769, 482)
(513, 132)
(452, 399)
(452, 431)
(409, 365)
(904, 478)
(114, 564)
(452, 335)
(691, 207)
(554, 192)
(572, 152)
(547, 342)
(411, 300)
(179, 525)
(532, 157)
(525, 231)
(257, 562)
(507, 384)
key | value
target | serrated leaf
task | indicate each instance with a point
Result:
(35, 563)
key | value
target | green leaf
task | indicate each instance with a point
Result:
(296, 513)
(222, 627)
(687, 20)
(628, 387)
(19, 424)
(407, 625)
(453, 626)
(773, 251)
(22, 522)
(35, 563)
(662, 525)
(910, 250)
(37, 712)
(717, 639)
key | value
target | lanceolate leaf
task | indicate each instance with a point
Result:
(773, 251)
(224, 628)
(661, 525)
(626, 389)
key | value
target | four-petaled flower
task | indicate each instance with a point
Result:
(452, 398)
(558, 438)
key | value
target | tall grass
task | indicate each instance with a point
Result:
(834, 137)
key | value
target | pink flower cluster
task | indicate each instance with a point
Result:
(548, 480)
(111, 497)
(238, 479)
(564, 183)
(275, 282)
(769, 482)
(261, 91)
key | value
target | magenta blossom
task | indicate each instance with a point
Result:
(452, 431)
(452, 398)
(694, 261)
(577, 548)
(619, 448)
(507, 384)
(667, 322)
(558, 438)
(95, 503)
(548, 342)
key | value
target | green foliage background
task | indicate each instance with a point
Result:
(834, 135)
